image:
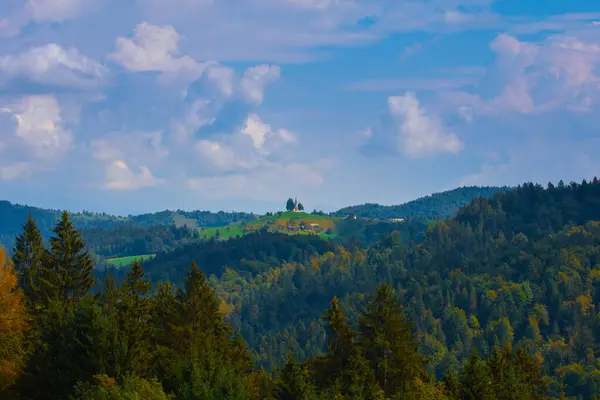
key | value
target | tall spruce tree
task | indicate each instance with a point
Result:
(340, 343)
(134, 322)
(200, 320)
(27, 259)
(388, 342)
(67, 272)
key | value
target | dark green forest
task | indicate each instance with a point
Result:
(497, 302)
(437, 205)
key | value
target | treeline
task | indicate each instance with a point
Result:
(13, 216)
(468, 286)
(437, 205)
(131, 239)
(58, 340)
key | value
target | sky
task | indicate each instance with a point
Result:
(132, 106)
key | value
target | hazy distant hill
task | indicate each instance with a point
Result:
(12, 217)
(444, 204)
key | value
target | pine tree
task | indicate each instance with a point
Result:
(475, 380)
(340, 345)
(294, 382)
(67, 272)
(388, 342)
(27, 259)
(134, 321)
(199, 319)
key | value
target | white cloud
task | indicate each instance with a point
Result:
(253, 146)
(420, 134)
(223, 77)
(57, 10)
(264, 138)
(154, 48)
(559, 72)
(255, 79)
(119, 150)
(52, 65)
(33, 137)
(120, 177)
(39, 126)
(223, 157)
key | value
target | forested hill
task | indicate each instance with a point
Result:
(500, 302)
(437, 205)
(13, 216)
(520, 267)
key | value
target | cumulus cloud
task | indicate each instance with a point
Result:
(154, 48)
(39, 126)
(119, 150)
(420, 134)
(120, 177)
(220, 101)
(255, 79)
(255, 144)
(558, 72)
(408, 129)
(224, 157)
(35, 138)
(52, 65)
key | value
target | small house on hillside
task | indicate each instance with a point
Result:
(351, 216)
(397, 219)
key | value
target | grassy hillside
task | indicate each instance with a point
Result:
(438, 205)
(124, 261)
(297, 223)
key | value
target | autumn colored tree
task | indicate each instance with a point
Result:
(13, 323)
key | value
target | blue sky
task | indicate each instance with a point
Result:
(143, 105)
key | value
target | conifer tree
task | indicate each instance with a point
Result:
(27, 259)
(134, 321)
(475, 380)
(388, 342)
(340, 345)
(200, 318)
(67, 273)
(294, 382)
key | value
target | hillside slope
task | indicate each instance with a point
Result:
(13, 216)
(437, 205)
(507, 269)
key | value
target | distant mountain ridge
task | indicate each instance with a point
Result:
(13, 216)
(437, 205)
(442, 205)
